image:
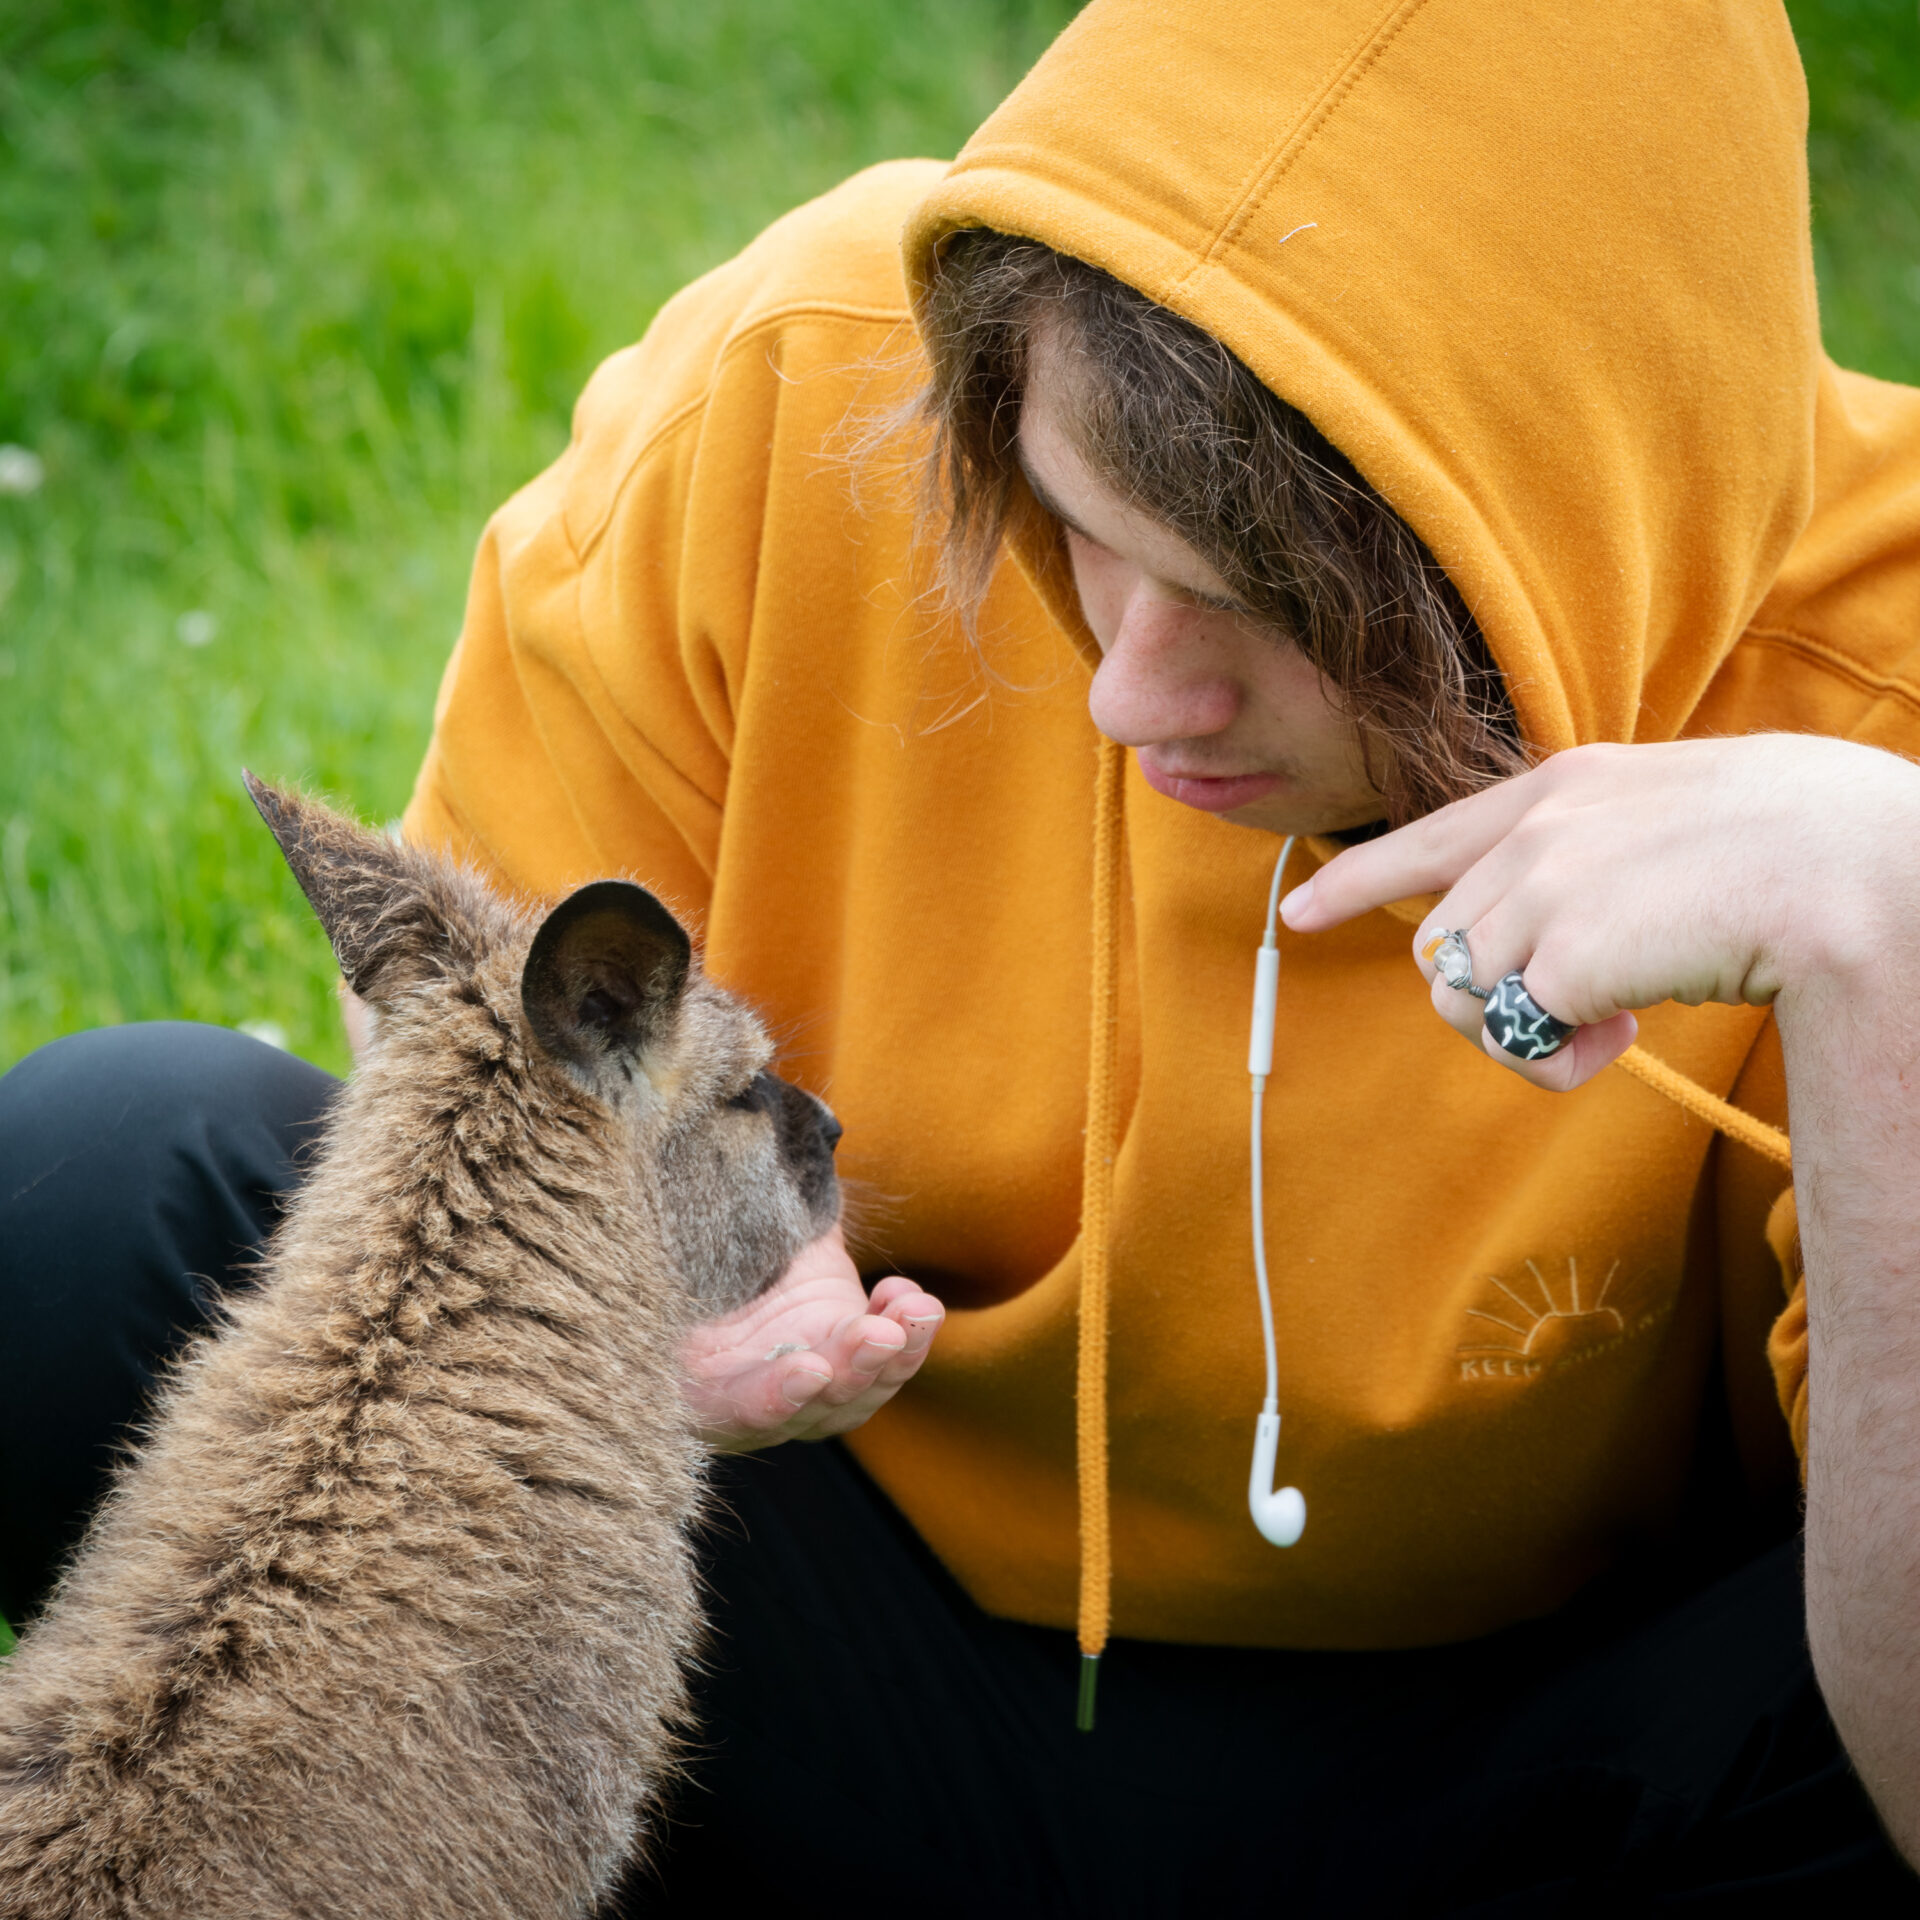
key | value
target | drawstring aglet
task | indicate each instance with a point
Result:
(1089, 1679)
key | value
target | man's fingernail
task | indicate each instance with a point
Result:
(925, 1319)
(800, 1387)
(876, 1353)
(1297, 902)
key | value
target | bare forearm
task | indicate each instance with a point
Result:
(1853, 1066)
(1774, 869)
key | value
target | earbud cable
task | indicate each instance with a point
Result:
(1269, 944)
(1102, 1147)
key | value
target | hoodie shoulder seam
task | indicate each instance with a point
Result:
(1820, 654)
(691, 409)
(1365, 53)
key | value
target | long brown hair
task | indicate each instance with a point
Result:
(1174, 422)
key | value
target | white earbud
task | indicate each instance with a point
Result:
(1279, 1512)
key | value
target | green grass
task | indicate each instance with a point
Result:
(290, 297)
(1863, 75)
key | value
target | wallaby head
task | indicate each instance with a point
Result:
(601, 1002)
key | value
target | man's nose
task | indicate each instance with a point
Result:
(1159, 679)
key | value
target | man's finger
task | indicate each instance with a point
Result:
(911, 1308)
(896, 1286)
(857, 1350)
(1426, 856)
(802, 1379)
(1461, 1011)
(875, 1352)
(1591, 1049)
(906, 1363)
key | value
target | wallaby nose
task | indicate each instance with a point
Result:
(806, 1121)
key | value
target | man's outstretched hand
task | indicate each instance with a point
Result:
(812, 1356)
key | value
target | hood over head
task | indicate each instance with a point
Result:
(1542, 273)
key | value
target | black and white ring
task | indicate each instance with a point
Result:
(1520, 1025)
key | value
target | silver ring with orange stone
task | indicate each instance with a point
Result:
(1452, 962)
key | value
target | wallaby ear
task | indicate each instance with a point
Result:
(604, 973)
(385, 932)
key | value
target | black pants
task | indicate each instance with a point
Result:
(870, 1739)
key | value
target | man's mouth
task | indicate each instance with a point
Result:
(1211, 793)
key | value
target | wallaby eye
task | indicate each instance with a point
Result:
(757, 1096)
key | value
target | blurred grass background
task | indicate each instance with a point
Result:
(293, 296)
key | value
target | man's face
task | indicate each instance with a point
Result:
(1223, 713)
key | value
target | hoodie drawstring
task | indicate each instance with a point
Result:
(1096, 1211)
(1096, 1205)
(1722, 1115)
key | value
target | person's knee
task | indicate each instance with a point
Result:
(147, 1086)
(141, 1170)
(164, 1146)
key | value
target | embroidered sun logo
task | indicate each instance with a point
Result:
(1524, 1334)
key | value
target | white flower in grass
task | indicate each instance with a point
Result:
(195, 627)
(271, 1031)
(21, 470)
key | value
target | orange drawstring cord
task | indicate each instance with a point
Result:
(1769, 1142)
(1096, 1207)
(1096, 1212)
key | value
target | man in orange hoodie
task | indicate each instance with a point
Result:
(1340, 408)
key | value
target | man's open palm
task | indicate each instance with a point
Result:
(812, 1356)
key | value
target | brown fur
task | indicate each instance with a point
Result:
(390, 1615)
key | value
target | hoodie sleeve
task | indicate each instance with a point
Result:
(1787, 1343)
(1835, 648)
(585, 720)
(1753, 1230)
(544, 768)
(1835, 645)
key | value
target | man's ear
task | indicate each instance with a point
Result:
(387, 933)
(604, 974)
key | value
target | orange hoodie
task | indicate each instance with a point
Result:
(1544, 276)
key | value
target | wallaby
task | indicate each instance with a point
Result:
(390, 1613)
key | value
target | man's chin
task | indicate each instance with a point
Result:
(1297, 813)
